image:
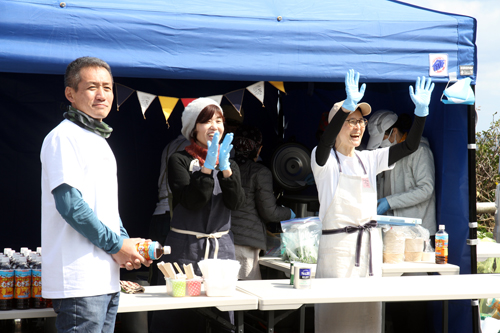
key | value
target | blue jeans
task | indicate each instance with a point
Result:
(86, 314)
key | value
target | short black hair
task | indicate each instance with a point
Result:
(72, 76)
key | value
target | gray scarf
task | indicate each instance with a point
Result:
(85, 121)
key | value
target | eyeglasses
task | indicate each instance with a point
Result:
(361, 122)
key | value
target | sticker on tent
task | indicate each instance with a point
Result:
(438, 64)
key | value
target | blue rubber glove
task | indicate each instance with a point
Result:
(383, 206)
(310, 179)
(213, 151)
(351, 89)
(225, 149)
(293, 214)
(422, 96)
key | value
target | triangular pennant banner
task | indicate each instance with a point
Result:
(167, 104)
(145, 99)
(186, 101)
(217, 98)
(122, 94)
(278, 85)
(257, 89)
(236, 98)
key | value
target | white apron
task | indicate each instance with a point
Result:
(355, 201)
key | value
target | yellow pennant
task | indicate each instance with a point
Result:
(167, 104)
(278, 85)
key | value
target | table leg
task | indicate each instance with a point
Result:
(270, 321)
(302, 318)
(240, 322)
(445, 316)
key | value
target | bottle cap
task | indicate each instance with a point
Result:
(167, 250)
(441, 227)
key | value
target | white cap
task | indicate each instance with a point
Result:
(364, 107)
(378, 123)
(441, 227)
(191, 113)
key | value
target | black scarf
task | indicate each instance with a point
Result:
(85, 121)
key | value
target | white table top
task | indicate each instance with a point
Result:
(387, 269)
(487, 250)
(280, 295)
(156, 298)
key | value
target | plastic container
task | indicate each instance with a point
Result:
(220, 287)
(303, 276)
(6, 284)
(152, 250)
(441, 246)
(193, 286)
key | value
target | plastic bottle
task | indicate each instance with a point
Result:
(6, 284)
(152, 250)
(22, 279)
(441, 246)
(36, 285)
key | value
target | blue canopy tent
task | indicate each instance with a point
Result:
(174, 48)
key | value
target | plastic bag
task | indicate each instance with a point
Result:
(300, 239)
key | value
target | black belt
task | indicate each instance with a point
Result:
(359, 229)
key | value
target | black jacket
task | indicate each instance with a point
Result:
(248, 222)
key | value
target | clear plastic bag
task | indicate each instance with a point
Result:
(300, 239)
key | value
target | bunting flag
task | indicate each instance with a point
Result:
(167, 105)
(278, 85)
(257, 89)
(186, 101)
(217, 98)
(236, 98)
(145, 99)
(122, 94)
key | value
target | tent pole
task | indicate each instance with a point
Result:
(472, 241)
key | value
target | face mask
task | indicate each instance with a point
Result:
(386, 143)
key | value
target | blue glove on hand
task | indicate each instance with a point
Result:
(293, 214)
(422, 96)
(213, 151)
(225, 149)
(383, 206)
(351, 89)
(310, 179)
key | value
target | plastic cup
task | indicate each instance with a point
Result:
(178, 287)
(193, 287)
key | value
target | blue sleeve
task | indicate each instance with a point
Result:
(75, 211)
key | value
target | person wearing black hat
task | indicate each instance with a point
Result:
(248, 223)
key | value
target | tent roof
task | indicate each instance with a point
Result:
(282, 40)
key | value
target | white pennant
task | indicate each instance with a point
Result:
(217, 98)
(145, 100)
(257, 89)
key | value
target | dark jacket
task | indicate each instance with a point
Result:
(198, 209)
(248, 222)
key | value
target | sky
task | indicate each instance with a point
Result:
(487, 15)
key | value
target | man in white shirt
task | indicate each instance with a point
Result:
(84, 243)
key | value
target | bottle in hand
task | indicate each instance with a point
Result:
(152, 250)
(441, 246)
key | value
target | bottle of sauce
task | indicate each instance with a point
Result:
(36, 284)
(152, 250)
(6, 284)
(22, 279)
(441, 246)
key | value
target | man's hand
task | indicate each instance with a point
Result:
(128, 257)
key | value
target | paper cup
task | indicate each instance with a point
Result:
(193, 287)
(178, 287)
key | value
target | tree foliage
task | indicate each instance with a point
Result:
(487, 173)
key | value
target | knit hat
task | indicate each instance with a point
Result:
(379, 122)
(191, 113)
(364, 107)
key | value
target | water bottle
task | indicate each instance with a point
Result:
(22, 283)
(441, 245)
(6, 284)
(152, 250)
